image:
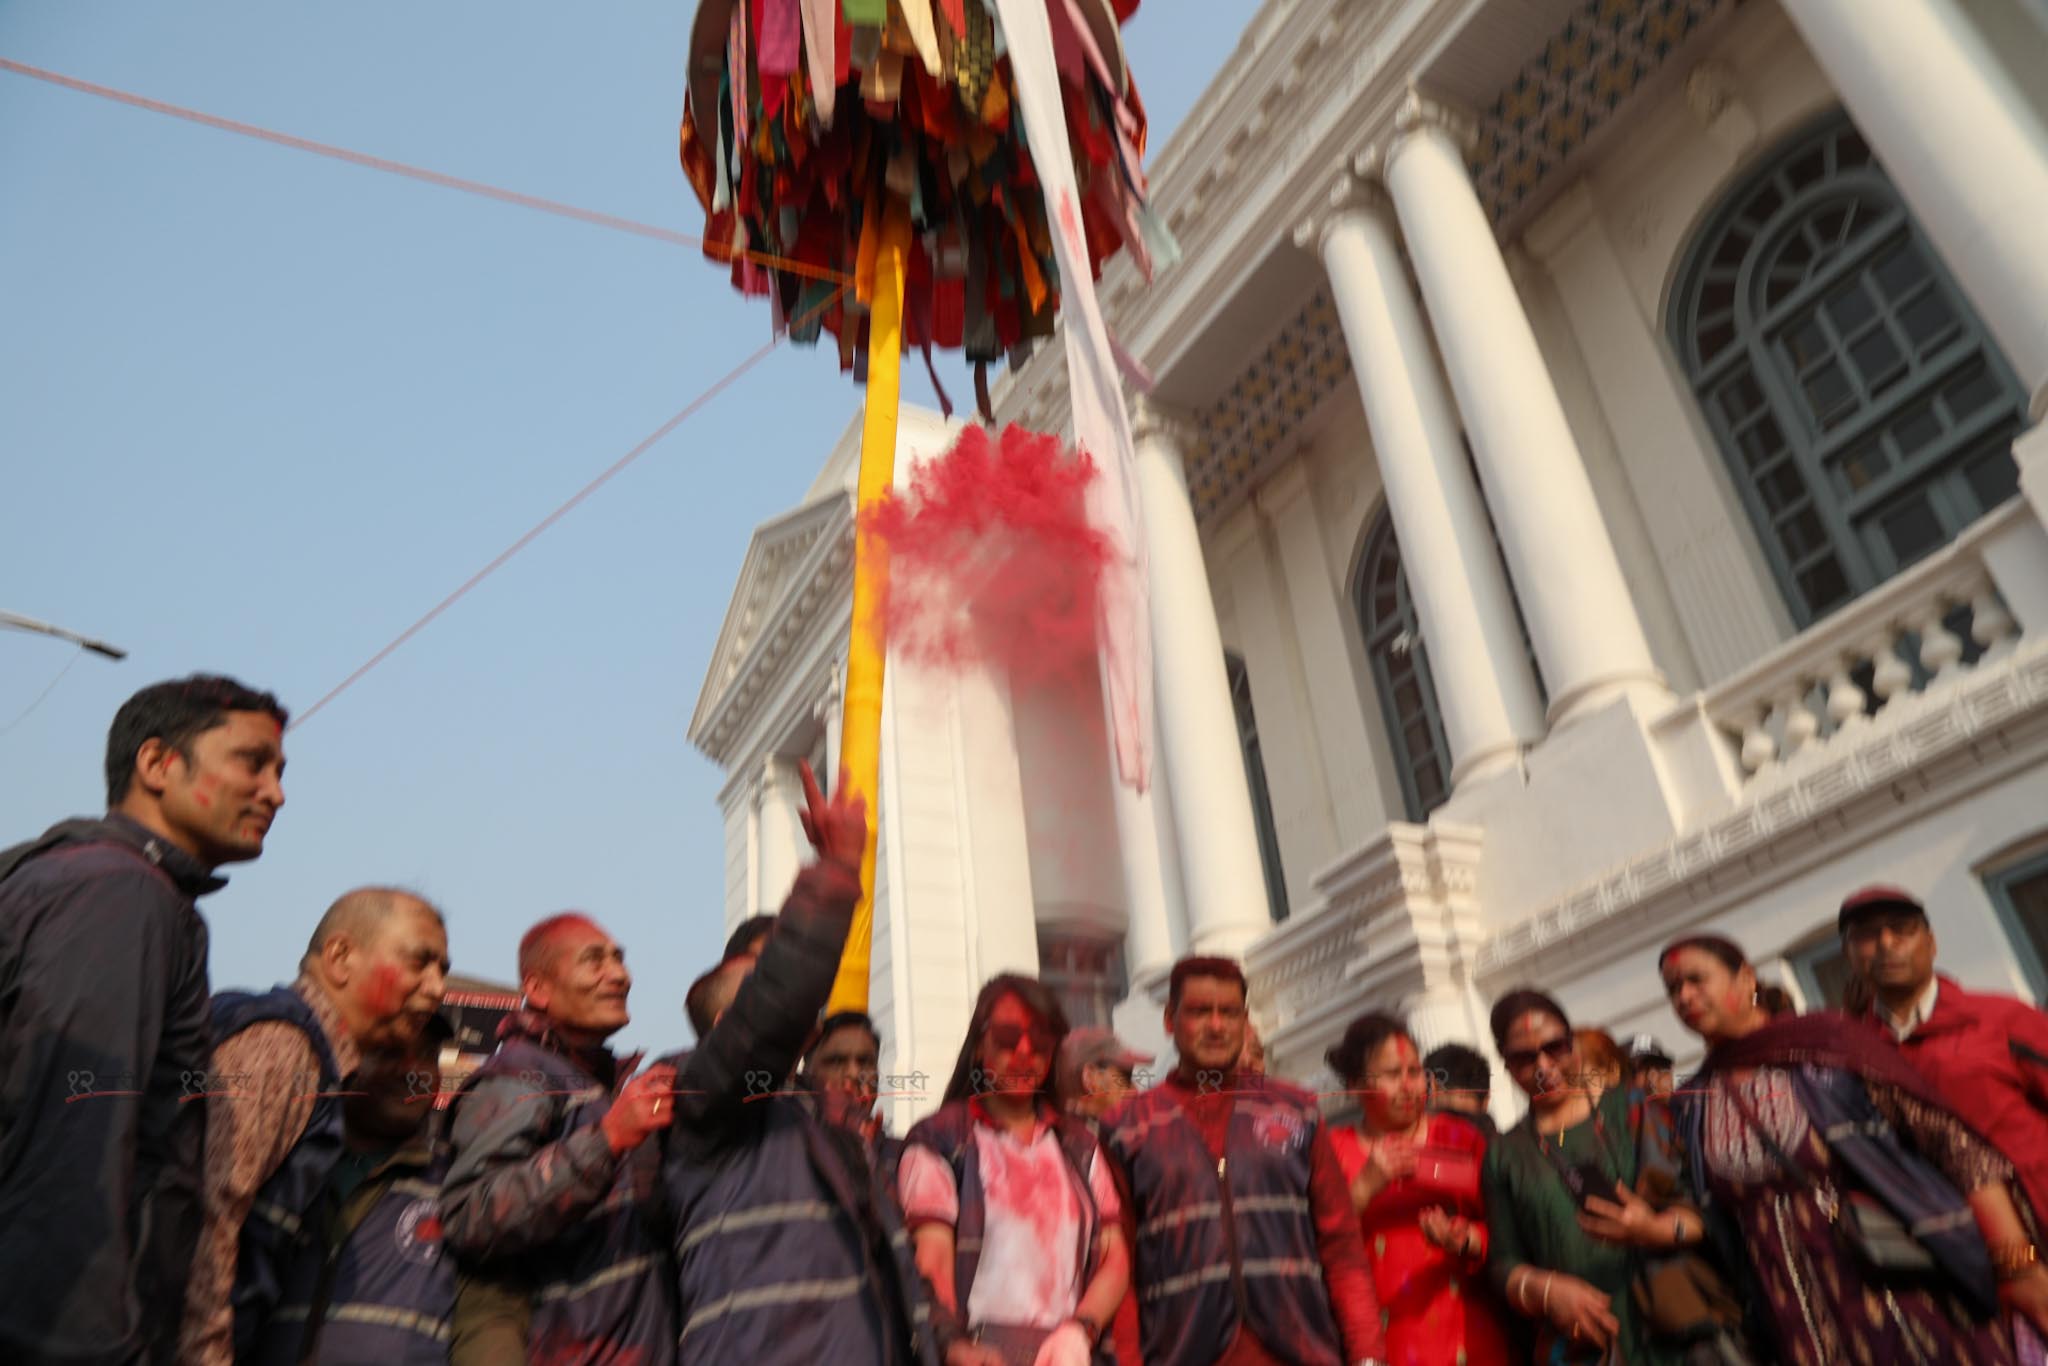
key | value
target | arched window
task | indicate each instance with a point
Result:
(1864, 412)
(1255, 776)
(1400, 673)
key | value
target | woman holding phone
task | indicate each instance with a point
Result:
(1538, 1178)
(1415, 1184)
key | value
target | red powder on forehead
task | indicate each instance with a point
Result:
(992, 559)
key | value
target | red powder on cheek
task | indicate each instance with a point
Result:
(992, 559)
(381, 993)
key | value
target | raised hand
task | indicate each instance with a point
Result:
(837, 829)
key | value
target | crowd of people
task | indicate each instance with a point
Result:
(285, 1176)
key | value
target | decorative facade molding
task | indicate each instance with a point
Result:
(1392, 923)
(1240, 161)
(1152, 420)
(1355, 189)
(1420, 113)
(1709, 90)
(796, 568)
(1989, 723)
(1246, 432)
(1563, 96)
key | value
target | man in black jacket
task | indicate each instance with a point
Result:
(104, 1025)
(789, 1248)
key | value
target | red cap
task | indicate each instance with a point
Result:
(1872, 899)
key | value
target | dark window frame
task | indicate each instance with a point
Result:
(1263, 821)
(2029, 945)
(1850, 466)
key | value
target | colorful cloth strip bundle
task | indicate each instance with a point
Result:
(806, 116)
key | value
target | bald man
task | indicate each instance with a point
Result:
(551, 1176)
(372, 976)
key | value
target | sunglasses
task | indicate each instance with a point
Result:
(1008, 1036)
(1522, 1059)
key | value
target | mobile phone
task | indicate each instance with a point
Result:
(1592, 1180)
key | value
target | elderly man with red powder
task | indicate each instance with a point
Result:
(1986, 1055)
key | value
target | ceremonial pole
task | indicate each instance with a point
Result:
(882, 143)
(860, 734)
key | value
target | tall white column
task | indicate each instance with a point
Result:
(1212, 802)
(1959, 139)
(1573, 594)
(779, 851)
(1483, 682)
(1148, 929)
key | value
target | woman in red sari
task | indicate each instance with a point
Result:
(1415, 1183)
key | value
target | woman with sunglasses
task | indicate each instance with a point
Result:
(1865, 1205)
(1538, 1177)
(1414, 1180)
(1012, 1209)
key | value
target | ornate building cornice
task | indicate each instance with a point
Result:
(1307, 105)
(1355, 188)
(798, 568)
(1153, 420)
(1423, 113)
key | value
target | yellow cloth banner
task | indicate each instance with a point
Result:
(860, 732)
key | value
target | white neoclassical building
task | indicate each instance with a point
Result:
(1594, 486)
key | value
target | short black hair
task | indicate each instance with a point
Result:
(176, 712)
(1459, 1067)
(1199, 965)
(747, 938)
(1518, 1003)
(1362, 1038)
(832, 1024)
(708, 996)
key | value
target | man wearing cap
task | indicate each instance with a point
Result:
(1093, 1071)
(1986, 1055)
(1649, 1066)
(1091, 1074)
(369, 1283)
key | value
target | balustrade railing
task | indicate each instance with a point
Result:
(1918, 631)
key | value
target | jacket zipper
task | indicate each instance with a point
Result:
(1230, 1244)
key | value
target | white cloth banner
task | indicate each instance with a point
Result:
(1101, 426)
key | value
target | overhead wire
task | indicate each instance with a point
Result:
(48, 688)
(719, 250)
(646, 443)
(549, 206)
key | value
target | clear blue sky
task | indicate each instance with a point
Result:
(259, 410)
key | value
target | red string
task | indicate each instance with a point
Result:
(628, 458)
(603, 220)
(420, 173)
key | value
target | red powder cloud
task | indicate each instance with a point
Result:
(992, 559)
